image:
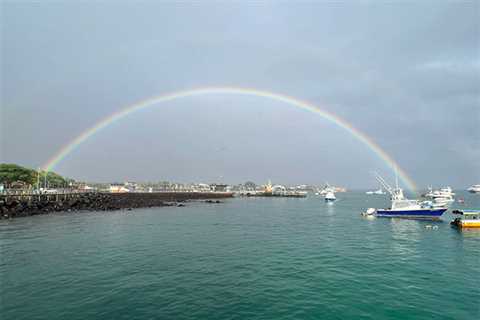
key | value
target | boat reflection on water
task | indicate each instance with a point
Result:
(469, 232)
(330, 208)
(406, 234)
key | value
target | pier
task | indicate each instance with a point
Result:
(28, 195)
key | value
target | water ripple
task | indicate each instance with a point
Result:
(245, 259)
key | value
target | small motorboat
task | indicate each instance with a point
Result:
(370, 212)
(474, 189)
(466, 219)
(330, 196)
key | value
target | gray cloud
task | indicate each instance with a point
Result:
(407, 74)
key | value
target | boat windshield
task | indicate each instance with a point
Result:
(471, 214)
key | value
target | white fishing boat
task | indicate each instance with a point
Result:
(330, 196)
(474, 189)
(328, 192)
(402, 207)
(328, 188)
(322, 192)
(445, 192)
(442, 197)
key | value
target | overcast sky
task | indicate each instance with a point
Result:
(406, 74)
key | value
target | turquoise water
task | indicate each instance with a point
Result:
(248, 258)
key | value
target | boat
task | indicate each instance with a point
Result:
(322, 191)
(379, 191)
(474, 189)
(328, 192)
(270, 190)
(442, 192)
(370, 212)
(330, 196)
(445, 192)
(281, 191)
(402, 207)
(467, 219)
(327, 188)
(434, 204)
(442, 197)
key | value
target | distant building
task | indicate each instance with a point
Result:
(131, 186)
(85, 187)
(249, 185)
(220, 187)
(201, 187)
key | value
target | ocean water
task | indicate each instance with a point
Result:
(248, 258)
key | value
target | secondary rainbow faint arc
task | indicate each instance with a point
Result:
(362, 137)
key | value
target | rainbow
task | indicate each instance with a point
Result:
(362, 137)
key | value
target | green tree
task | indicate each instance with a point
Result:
(10, 173)
(55, 180)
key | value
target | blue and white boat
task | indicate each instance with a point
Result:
(402, 207)
(405, 208)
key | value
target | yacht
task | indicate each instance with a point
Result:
(379, 191)
(445, 192)
(322, 192)
(330, 195)
(474, 189)
(402, 207)
(441, 197)
(328, 188)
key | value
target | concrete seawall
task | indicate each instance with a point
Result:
(28, 205)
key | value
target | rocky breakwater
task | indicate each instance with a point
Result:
(11, 207)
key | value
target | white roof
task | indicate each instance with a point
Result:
(470, 212)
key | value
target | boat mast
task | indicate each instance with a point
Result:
(38, 179)
(384, 183)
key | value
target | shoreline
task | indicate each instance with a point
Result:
(30, 205)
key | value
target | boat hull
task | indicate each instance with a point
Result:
(421, 213)
(470, 224)
(466, 223)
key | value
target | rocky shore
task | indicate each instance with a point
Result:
(28, 206)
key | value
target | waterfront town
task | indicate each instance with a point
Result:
(25, 192)
(16, 179)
